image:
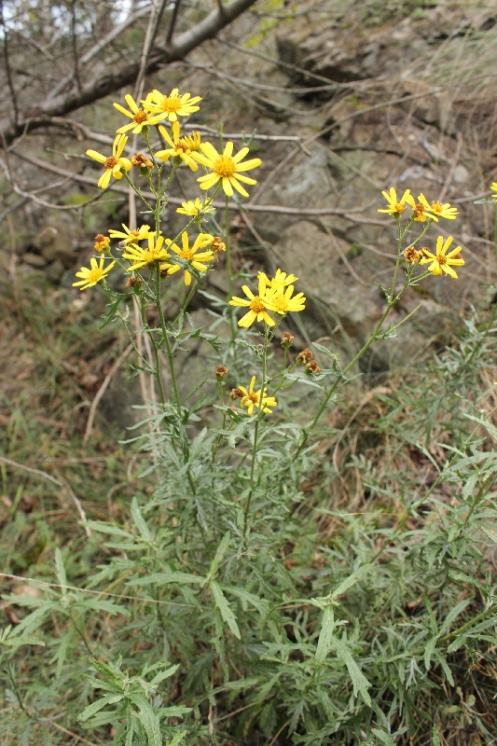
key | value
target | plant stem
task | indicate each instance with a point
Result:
(256, 436)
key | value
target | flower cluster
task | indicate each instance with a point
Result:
(421, 210)
(275, 294)
(253, 400)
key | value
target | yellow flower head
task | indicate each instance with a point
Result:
(421, 210)
(443, 262)
(92, 274)
(443, 210)
(252, 399)
(171, 106)
(128, 235)
(142, 256)
(280, 280)
(283, 301)
(189, 257)
(395, 206)
(139, 117)
(226, 167)
(113, 164)
(258, 305)
(195, 207)
(493, 189)
(179, 147)
(102, 243)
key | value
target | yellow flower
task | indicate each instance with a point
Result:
(283, 301)
(395, 206)
(141, 256)
(195, 207)
(113, 164)
(102, 243)
(443, 210)
(179, 147)
(258, 305)
(493, 188)
(252, 399)
(92, 274)
(129, 235)
(279, 281)
(139, 117)
(226, 167)
(171, 106)
(441, 262)
(190, 257)
(421, 210)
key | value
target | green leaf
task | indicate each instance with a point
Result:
(383, 737)
(139, 521)
(164, 578)
(218, 557)
(224, 609)
(60, 570)
(149, 721)
(326, 634)
(90, 710)
(359, 681)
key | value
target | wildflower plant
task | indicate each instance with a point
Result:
(212, 616)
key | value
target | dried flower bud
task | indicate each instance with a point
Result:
(237, 394)
(102, 243)
(221, 372)
(312, 368)
(141, 161)
(218, 245)
(287, 339)
(412, 255)
(304, 357)
(132, 281)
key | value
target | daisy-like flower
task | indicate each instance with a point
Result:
(442, 262)
(142, 256)
(395, 206)
(226, 167)
(102, 243)
(142, 161)
(252, 399)
(113, 164)
(89, 276)
(139, 117)
(171, 106)
(190, 257)
(280, 280)
(443, 210)
(179, 147)
(493, 189)
(284, 301)
(421, 210)
(195, 207)
(128, 235)
(258, 305)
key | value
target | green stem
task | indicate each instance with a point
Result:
(255, 443)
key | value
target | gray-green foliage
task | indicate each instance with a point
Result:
(329, 624)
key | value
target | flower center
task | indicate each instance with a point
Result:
(186, 254)
(110, 162)
(442, 260)
(256, 305)
(399, 207)
(436, 207)
(95, 274)
(281, 303)
(171, 103)
(140, 116)
(225, 166)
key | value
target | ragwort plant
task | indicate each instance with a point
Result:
(217, 609)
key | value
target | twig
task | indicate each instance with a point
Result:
(8, 69)
(101, 391)
(172, 24)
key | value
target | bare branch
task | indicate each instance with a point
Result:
(102, 85)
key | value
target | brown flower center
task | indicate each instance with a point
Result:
(140, 116)
(110, 162)
(256, 305)
(442, 260)
(225, 166)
